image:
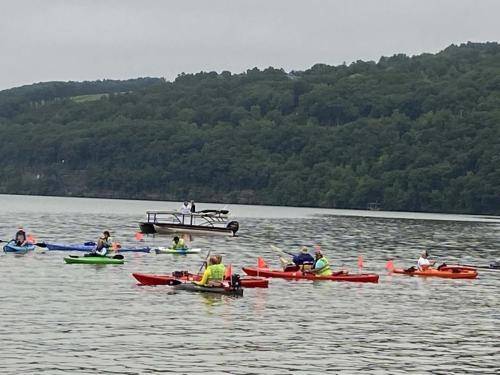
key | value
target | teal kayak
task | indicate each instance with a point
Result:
(192, 287)
(182, 251)
(94, 260)
(11, 247)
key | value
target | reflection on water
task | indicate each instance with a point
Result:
(82, 319)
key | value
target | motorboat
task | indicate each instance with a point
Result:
(205, 222)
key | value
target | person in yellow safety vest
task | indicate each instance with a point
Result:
(178, 243)
(214, 274)
(321, 265)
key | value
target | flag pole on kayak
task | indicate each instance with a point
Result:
(360, 261)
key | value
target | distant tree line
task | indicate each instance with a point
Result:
(415, 133)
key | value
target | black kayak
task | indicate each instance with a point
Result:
(227, 290)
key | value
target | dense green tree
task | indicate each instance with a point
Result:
(417, 133)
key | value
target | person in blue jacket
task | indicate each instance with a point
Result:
(303, 261)
(303, 258)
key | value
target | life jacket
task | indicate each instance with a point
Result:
(216, 272)
(20, 236)
(179, 245)
(325, 270)
(108, 242)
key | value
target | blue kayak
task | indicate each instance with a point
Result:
(11, 247)
(89, 246)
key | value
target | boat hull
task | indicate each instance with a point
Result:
(192, 287)
(298, 275)
(92, 260)
(11, 247)
(147, 228)
(162, 228)
(152, 279)
(448, 273)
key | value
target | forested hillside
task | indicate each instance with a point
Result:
(415, 133)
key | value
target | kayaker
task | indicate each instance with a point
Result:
(20, 236)
(303, 259)
(214, 273)
(178, 243)
(424, 263)
(104, 243)
(321, 265)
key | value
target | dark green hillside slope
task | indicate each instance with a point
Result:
(415, 133)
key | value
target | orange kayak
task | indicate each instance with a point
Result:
(445, 272)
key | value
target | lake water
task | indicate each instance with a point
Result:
(84, 319)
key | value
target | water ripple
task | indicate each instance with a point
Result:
(59, 319)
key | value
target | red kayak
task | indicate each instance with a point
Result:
(299, 275)
(152, 279)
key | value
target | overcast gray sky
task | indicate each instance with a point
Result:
(77, 40)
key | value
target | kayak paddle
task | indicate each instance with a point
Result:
(205, 262)
(493, 266)
(39, 244)
(282, 252)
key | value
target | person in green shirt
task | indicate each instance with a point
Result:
(321, 265)
(214, 273)
(178, 243)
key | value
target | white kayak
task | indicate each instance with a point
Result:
(168, 250)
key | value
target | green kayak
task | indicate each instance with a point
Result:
(94, 260)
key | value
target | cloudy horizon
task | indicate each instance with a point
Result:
(75, 40)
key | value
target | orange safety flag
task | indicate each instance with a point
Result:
(229, 272)
(389, 265)
(261, 263)
(360, 261)
(30, 238)
(139, 236)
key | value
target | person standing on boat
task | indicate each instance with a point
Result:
(424, 263)
(20, 236)
(193, 207)
(178, 243)
(321, 265)
(214, 273)
(185, 208)
(104, 243)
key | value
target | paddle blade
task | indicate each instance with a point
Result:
(360, 261)
(139, 236)
(261, 263)
(389, 265)
(229, 272)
